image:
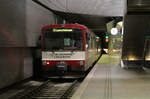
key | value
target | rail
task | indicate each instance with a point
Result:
(48, 90)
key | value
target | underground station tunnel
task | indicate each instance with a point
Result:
(75, 49)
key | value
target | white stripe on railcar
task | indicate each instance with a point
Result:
(75, 55)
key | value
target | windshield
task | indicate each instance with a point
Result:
(63, 39)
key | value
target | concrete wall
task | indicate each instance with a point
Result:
(147, 49)
(135, 29)
(15, 65)
(12, 23)
(20, 27)
(36, 18)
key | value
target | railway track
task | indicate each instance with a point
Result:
(49, 90)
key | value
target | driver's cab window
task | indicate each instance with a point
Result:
(67, 41)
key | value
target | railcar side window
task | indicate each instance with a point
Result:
(87, 36)
(87, 39)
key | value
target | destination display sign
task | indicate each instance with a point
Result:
(62, 30)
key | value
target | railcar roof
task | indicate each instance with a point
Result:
(65, 25)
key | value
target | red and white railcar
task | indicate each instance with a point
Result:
(68, 50)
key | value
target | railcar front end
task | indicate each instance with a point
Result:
(63, 50)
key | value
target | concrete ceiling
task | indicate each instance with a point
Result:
(92, 13)
(95, 23)
(91, 7)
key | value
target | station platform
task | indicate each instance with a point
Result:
(107, 80)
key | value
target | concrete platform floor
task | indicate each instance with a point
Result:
(108, 80)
